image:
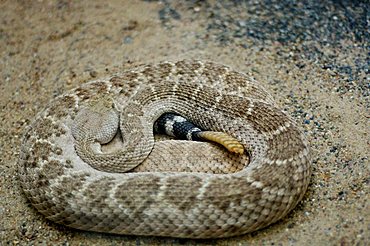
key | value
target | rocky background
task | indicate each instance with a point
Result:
(312, 55)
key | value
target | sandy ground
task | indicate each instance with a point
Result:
(312, 56)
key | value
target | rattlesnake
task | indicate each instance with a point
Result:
(176, 188)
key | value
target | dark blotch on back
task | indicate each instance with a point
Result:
(186, 188)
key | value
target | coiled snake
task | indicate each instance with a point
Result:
(90, 161)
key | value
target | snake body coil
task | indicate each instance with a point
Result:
(90, 160)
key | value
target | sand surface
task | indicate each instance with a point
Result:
(312, 56)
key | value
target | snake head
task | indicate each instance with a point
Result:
(98, 120)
